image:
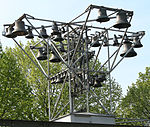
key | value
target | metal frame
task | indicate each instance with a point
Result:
(78, 61)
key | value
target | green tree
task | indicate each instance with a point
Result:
(15, 93)
(37, 87)
(136, 104)
(36, 80)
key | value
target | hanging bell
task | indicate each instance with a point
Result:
(122, 21)
(55, 30)
(87, 40)
(58, 38)
(30, 34)
(54, 58)
(126, 46)
(43, 33)
(9, 32)
(95, 42)
(20, 28)
(137, 42)
(101, 78)
(91, 54)
(105, 41)
(42, 54)
(102, 15)
(97, 82)
(115, 40)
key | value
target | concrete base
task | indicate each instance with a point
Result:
(87, 118)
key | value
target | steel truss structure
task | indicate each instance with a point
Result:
(78, 45)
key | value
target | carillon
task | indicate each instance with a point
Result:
(78, 56)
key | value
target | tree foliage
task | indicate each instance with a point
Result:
(15, 92)
(25, 89)
(136, 104)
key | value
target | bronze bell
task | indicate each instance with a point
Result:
(101, 77)
(126, 46)
(105, 41)
(42, 54)
(102, 15)
(98, 80)
(86, 40)
(137, 42)
(58, 38)
(19, 28)
(43, 33)
(97, 83)
(30, 34)
(54, 58)
(55, 30)
(95, 42)
(122, 21)
(115, 41)
(9, 32)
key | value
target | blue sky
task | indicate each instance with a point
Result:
(65, 10)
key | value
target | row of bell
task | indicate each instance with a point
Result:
(18, 31)
(128, 47)
(42, 55)
(21, 31)
(121, 16)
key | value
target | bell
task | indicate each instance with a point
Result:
(91, 54)
(20, 28)
(122, 21)
(30, 34)
(102, 15)
(95, 42)
(97, 83)
(115, 40)
(42, 54)
(55, 29)
(105, 41)
(137, 42)
(43, 33)
(58, 38)
(101, 77)
(86, 40)
(9, 32)
(54, 58)
(127, 45)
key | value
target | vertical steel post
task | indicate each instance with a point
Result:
(49, 84)
(87, 72)
(69, 74)
(109, 76)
